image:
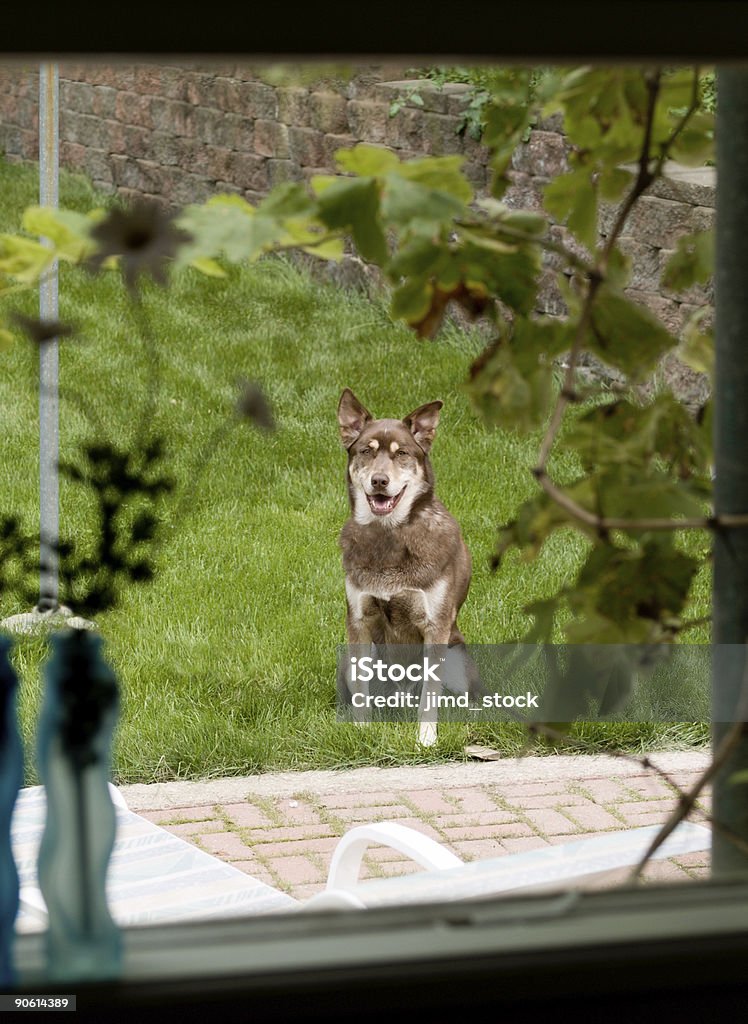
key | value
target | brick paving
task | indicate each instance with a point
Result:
(284, 828)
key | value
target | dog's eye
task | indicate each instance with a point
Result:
(402, 454)
(364, 451)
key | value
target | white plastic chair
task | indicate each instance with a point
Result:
(155, 876)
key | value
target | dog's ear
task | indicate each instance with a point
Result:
(352, 417)
(422, 423)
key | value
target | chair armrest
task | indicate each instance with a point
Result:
(345, 866)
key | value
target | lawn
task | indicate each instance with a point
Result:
(227, 661)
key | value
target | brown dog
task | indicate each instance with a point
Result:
(407, 567)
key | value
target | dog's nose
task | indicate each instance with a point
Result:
(380, 480)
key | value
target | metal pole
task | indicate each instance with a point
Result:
(49, 426)
(731, 461)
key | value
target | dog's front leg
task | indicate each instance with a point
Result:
(435, 639)
(359, 623)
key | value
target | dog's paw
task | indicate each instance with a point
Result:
(427, 734)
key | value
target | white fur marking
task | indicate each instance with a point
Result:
(433, 599)
(374, 444)
(355, 599)
(394, 446)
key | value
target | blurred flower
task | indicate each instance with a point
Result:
(143, 236)
(252, 405)
(41, 331)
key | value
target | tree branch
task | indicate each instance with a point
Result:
(735, 734)
(602, 524)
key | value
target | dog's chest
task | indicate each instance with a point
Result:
(376, 562)
(373, 548)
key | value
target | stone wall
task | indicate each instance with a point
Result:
(182, 133)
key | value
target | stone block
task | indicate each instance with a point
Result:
(169, 150)
(271, 139)
(367, 121)
(179, 187)
(332, 143)
(645, 263)
(28, 114)
(667, 310)
(85, 129)
(440, 136)
(477, 174)
(148, 79)
(660, 222)
(77, 96)
(404, 130)
(549, 300)
(525, 192)
(133, 108)
(696, 295)
(328, 112)
(696, 186)
(72, 155)
(306, 146)
(137, 175)
(292, 105)
(458, 97)
(104, 101)
(173, 116)
(209, 125)
(544, 154)
(247, 171)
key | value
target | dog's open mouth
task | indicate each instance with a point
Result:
(383, 504)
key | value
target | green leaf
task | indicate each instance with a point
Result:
(560, 194)
(582, 220)
(691, 263)
(233, 200)
(619, 268)
(411, 301)
(540, 341)
(207, 266)
(289, 199)
(525, 220)
(366, 160)
(227, 229)
(695, 144)
(537, 519)
(613, 182)
(630, 595)
(67, 230)
(676, 87)
(24, 259)
(507, 396)
(404, 201)
(319, 183)
(624, 433)
(354, 203)
(485, 240)
(419, 256)
(311, 237)
(626, 335)
(697, 348)
(624, 495)
(573, 197)
(512, 277)
(441, 173)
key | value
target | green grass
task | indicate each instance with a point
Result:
(227, 661)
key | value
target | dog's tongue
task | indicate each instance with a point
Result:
(381, 503)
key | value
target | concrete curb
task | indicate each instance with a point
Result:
(512, 771)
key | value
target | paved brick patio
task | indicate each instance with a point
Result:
(282, 829)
